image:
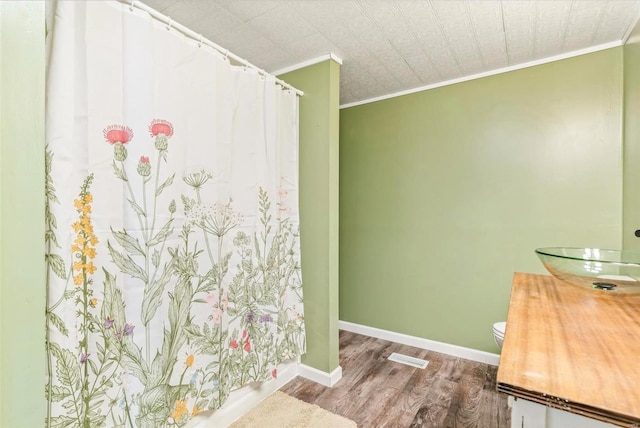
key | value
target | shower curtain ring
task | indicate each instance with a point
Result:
(131, 5)
(200, 41)
(246, 64)
(169, 24)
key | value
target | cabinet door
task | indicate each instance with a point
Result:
(560, 419)
(525, 414)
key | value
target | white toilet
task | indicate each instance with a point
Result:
(498, 332)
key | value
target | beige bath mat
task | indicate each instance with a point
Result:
(280, 410)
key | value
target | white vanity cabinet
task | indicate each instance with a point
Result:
(527, 414)
(570, 355)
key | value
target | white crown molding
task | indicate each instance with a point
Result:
(488, 73)
(318, 376)
(630, 29)
(419, 342)
(307, 63)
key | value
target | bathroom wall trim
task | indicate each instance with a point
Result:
(318, 376)
(633, 25)
(307, 63)
(419, 342)
(567, 55)
(244, 399)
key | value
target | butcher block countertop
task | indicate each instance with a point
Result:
(572, 348)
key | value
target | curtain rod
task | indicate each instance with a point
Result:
(200, 39)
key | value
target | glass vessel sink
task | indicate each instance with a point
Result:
(613, 271)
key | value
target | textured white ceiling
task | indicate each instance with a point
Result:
(395, 45)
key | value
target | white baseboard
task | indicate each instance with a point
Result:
(419, 342)
(318, 376)
(244, 399)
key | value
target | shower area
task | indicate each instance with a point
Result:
(172, 241)
(184, 194)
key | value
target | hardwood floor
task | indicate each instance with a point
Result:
(375, 392)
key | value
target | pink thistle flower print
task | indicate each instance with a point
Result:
(162, 130)
(159, 126)
(233, 344)
(274, 373)
(247, 345)
(144, 167)
(117, 134)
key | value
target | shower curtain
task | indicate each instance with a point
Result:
(172, 222)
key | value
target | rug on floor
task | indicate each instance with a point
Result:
(280, 410)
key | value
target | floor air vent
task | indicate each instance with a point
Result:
(410, 361)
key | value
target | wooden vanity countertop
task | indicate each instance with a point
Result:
(573, 348)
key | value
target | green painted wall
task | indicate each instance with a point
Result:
(631, 218)
(319, 136)
(445, 193)
(22, 271)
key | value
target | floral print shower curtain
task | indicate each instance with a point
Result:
(172, 222)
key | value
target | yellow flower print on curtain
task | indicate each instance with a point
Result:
(228, 296)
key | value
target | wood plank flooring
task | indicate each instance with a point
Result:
(375, 392)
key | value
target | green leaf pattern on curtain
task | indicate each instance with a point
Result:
(252, 323)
